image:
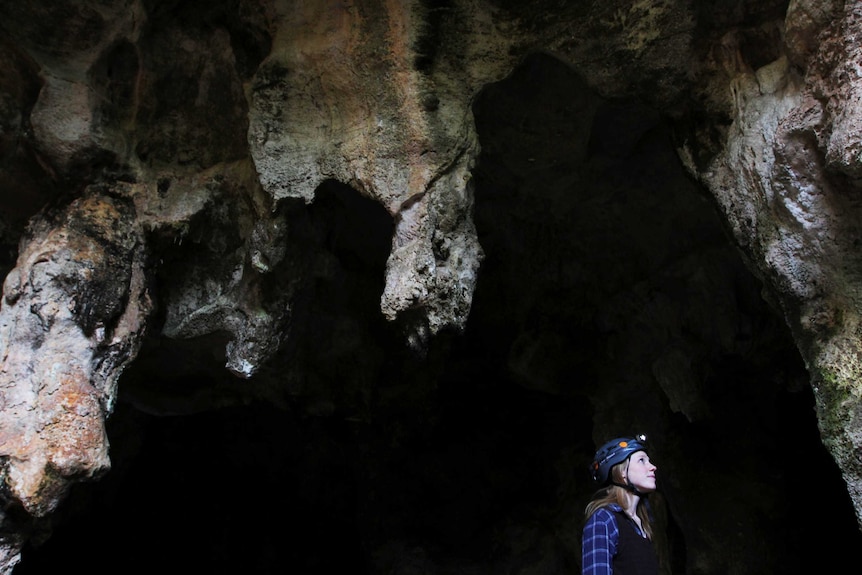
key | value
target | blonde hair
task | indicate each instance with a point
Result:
(619, 495)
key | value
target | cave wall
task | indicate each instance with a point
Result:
(792, 149)
(402, 219)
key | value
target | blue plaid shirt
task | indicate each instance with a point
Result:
(601, 537)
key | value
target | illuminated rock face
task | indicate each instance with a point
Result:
(425, 224)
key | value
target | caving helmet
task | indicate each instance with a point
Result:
(613, 452)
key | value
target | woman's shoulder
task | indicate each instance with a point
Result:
(611, 508)
(606, 513)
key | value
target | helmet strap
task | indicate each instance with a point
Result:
(629, 487)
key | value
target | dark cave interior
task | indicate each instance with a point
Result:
(607, 281)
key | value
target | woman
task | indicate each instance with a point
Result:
(618, 533)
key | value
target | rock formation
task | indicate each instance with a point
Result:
(411, 236)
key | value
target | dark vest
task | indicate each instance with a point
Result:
(635, 554)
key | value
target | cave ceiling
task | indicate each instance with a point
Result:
(361, 285)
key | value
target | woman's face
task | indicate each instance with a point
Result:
(641, 472)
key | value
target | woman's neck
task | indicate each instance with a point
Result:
(631, 505)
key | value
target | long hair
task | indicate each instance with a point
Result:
(619, 495)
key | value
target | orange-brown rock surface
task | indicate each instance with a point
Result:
(184, 180)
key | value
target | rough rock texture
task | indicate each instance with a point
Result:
(413, 260)
(787, 182)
